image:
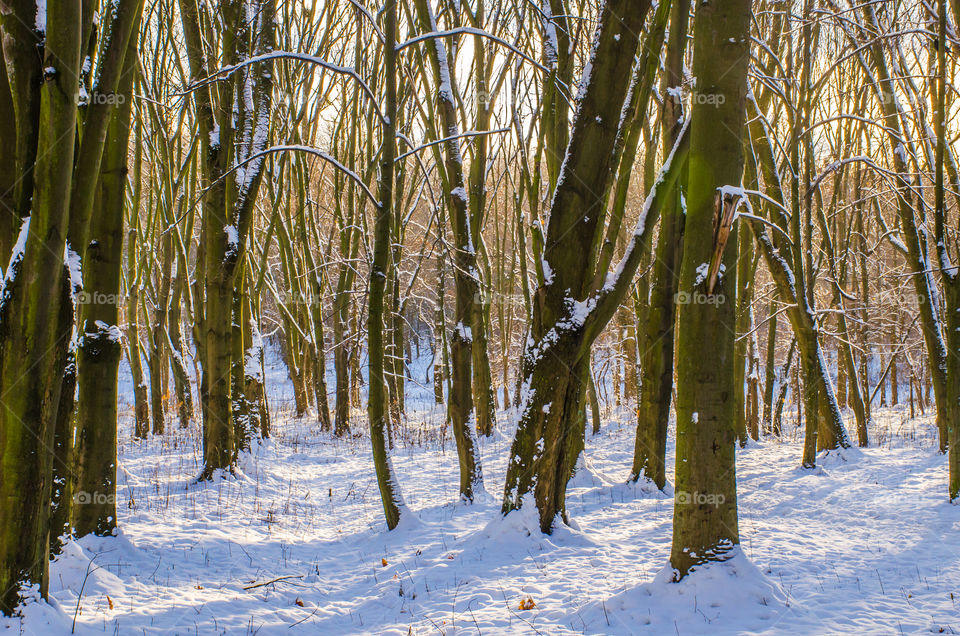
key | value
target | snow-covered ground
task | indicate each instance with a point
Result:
(865, 544)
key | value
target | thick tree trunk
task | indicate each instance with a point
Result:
(23, 65)
(9, 177)
(570, 308)
(100, 347)
(219, 438)
(227, 117)
(705, 505)
(32, 358)
(656, 359)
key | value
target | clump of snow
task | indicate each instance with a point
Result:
(547, 272)
(839, 457)
(702, 270)
(711, 592)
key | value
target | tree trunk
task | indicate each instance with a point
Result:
(181, 379)
(705, 505)
(141, 407)
(32, 359)
(577, 297)
(745, 268)
(770, 370)
(100, 348)
(468, 317)
(656, 358)
(377, 400)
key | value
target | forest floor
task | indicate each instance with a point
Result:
(866, 543)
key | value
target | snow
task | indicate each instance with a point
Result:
(251, 360)
(74, 267)
(233, 239)
(702, 271)
(550, 42)
(16, 256)
(547, 272)
(731, 191)
(41, 19)
(663, 605)
(459, 193)
(111, 332)
(857, 546)
(464, 332)
(901, 153)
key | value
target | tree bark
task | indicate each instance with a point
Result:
(32, 359)
(377, 400)
(461, 405)
(705, 505)
(570, 309)
(656, 359)
(100, 348)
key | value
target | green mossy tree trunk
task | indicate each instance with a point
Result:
(577, 298)
(233, 118)
(484, 396)
(376, 395)
(100, 348)
(467, 315)
(656, 359)
(705, 525)
(23, 76)
(32, 358)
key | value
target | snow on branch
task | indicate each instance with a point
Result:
(471, 31)
(464, 135)
(226, 71)
(605, 300)
(316, 152)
